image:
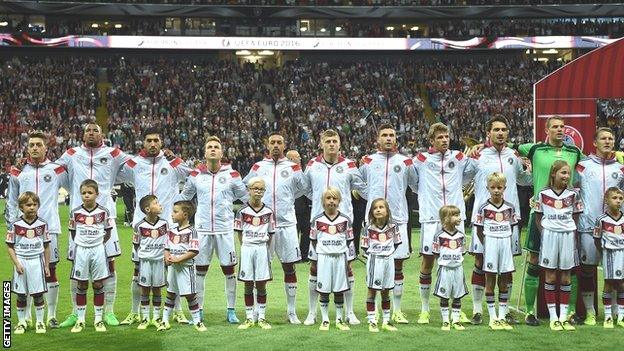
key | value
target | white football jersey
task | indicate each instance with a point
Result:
(331, 235)
(151, 238)
(381, 241)
(496, 221)
(611, 231)
(28, 239)
(557, 209)
(256, 226)
(90, 225)
(180, 241)
(450, 248)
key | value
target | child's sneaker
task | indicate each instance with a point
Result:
(458, 326)
(399, 317)
(567, 326)
(231, 316)
(247, 323)
(446, 326)
(310, 319)
(164, 326)
(180, 318)
(53, 323)
(495, 325)
(372, 327)
(608, 323)
(477, 319)
(144, 324)
(21, 328)
(262, 323)
(40, 328)
(423, 318)
(340, 325)
(78, 327)
(388, 327)
(590, 319)
(352, 319)
(463, 318)
(200, 327)
(503, 323)
(131, 319)
(324, 326)
(99, 326)
(556, 326)
(111, 319)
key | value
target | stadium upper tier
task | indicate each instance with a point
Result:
(52, 26)
(190, 99)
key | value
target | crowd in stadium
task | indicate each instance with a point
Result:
(456, 29)
(190, 100)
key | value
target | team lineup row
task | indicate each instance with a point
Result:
(436, 175)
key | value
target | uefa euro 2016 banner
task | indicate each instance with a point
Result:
(299, 43)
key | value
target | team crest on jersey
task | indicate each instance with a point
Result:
(614, 175)
(176, 239)
(284, 173)
(617, 229)
(451, 164)
(510, 160)
(452, 244)
(155, 233)
(255, 221)
(397, 169)
(164, 171)
(222, 180)
(30, 233)
(382, 237)
(47, 178)
(331, 229)
(339, 169)
(103, 160)
(88, 220)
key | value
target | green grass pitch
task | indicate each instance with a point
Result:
(283, 336)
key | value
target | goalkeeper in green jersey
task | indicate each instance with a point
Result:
(542, 155)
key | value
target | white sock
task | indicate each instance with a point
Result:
(52, 299)
(249, 312)
(313, 296)
(200, 279)
(491, 306)
(325, 311)
(445, 314)
(262, 311)
(477, 298)
(348, 296)
(502, 309)
(98, 313)
(424, 296)
(397, 295)
(81, 312)
(21, 314)
(291, 296)
(552, 311)
(230, 290)
(195, 316)
(39, 312)
(455, 314)
(607, 311)
(166, 314)
(110, 291)
(588, 301)
(370, 316)
(135, 292)
(156, 312)
(339, 312)
(386, 316)
(145, 307)
(563, 312)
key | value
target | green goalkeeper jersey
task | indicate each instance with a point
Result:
(543, 155)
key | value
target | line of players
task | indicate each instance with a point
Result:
(437, 175)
